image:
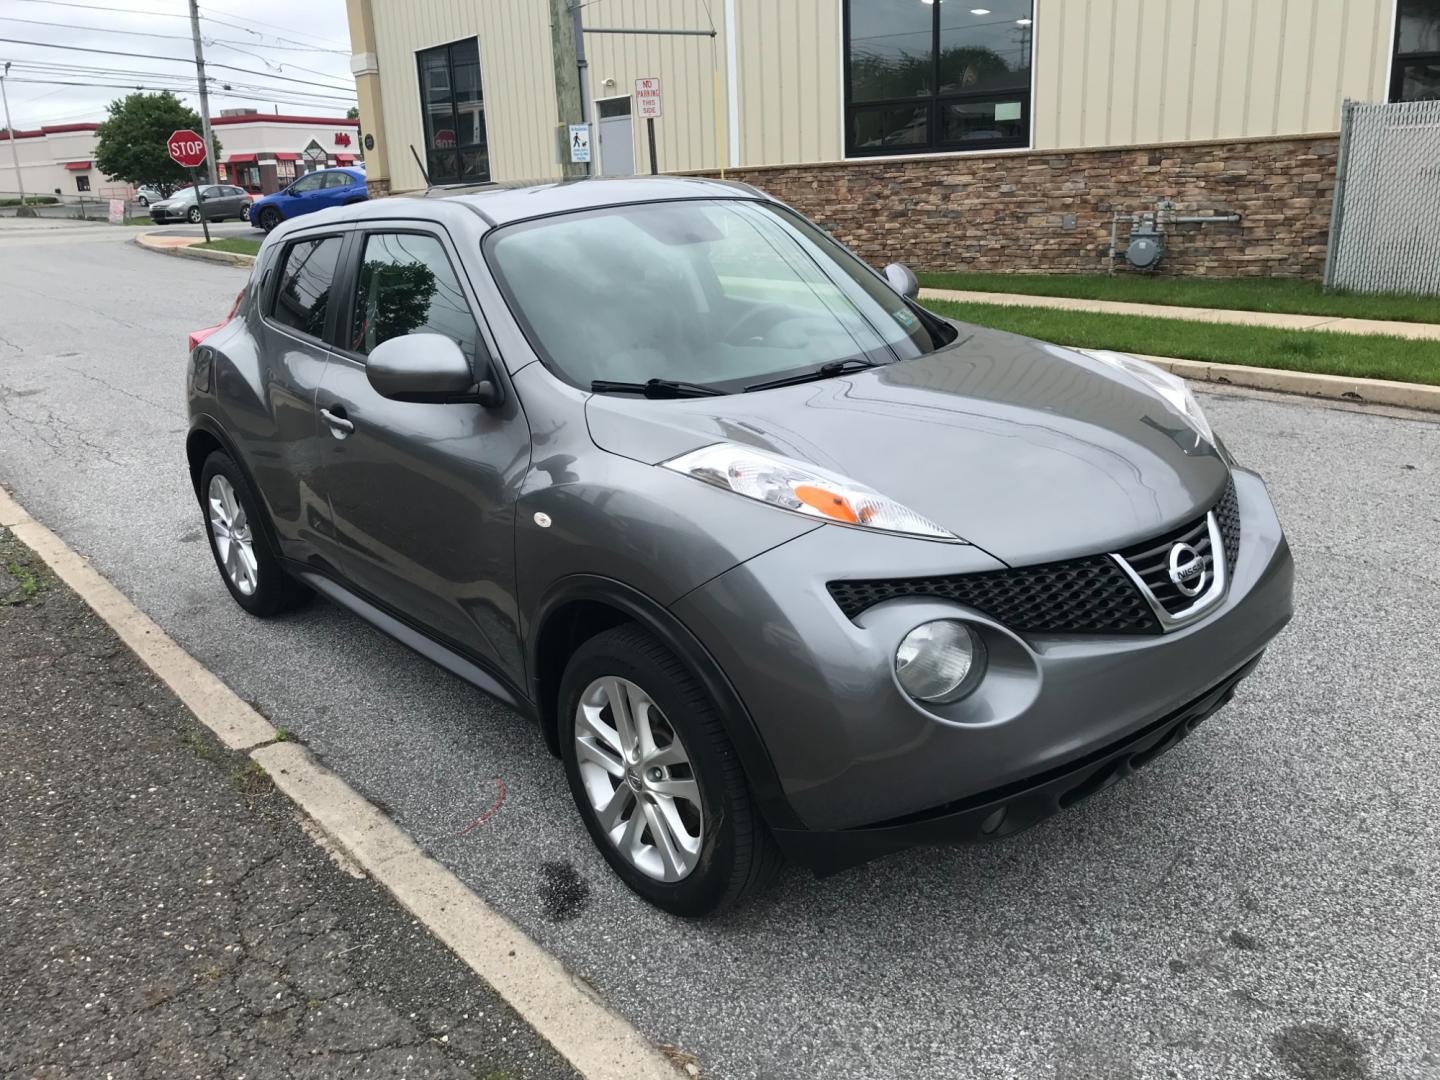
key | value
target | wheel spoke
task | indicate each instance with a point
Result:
(664, 842)
(677, 789)
(629, 841)
(594, 727)
(616, 694)
(593, 751)
(610, 814)
(674, 754)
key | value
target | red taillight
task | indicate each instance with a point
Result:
(197, 336)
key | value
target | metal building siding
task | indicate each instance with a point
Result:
(1120, 72)
(788, 64)
(685, 135)
(514, 37)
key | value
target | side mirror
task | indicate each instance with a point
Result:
(902, 279)
(427, 368)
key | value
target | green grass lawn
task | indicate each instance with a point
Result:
(1238, 294)
(236, 245)
(1363, 356)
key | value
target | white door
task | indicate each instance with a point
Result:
(617, 137)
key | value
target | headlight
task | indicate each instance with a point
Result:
(1172, 388)
(939, 661)
(805, 489)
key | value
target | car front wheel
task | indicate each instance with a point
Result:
(269, 218)
(657, 780)
(193, 216)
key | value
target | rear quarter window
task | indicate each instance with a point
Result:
(307, 272)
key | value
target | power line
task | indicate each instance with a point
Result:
(169, 59)
(270, 99)
(209, 18)
(180, 82)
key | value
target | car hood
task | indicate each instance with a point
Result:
(1025, 449)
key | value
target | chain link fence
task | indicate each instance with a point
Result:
(1385, 228)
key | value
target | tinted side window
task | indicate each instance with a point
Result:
(407, 286)
(306, 275)
(338, 179)
(308, 183)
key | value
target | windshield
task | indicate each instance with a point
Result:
(720, 293)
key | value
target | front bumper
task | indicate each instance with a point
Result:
(860, 761)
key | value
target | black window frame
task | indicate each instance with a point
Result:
(354, 256)
(934, 102)
(1399, 61)
(448, 48)
(274, 280)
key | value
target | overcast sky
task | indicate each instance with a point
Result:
(294, 54)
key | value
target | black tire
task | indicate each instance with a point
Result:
(275, 591)
(193, 216)
(245, 213)
(738, 857)
(269, 218)
(143, 201)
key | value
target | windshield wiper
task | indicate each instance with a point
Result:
(654, 388)
(824, 371)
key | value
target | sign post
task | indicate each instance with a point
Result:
(647, 99)
(188, 150)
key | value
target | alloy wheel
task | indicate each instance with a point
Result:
(639, 780)
(234, 541)
(194, 214)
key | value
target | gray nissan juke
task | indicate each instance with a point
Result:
(781, 562)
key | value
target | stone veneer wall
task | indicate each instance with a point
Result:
(1012, 212)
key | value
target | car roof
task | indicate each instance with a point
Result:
(502, 204)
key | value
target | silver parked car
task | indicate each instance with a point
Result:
(219, 201)
(779, 560)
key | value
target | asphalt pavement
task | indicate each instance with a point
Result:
(1262, 903)
(165, 914)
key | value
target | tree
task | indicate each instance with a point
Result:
(352, 113)
(131, 141)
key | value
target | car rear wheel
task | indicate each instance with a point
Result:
(245, 212)
(269, 218)
(656, 779)
(143, 201)
(193, 216)
(247, 566)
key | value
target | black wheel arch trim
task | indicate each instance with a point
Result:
(209, 426)
(664, 624)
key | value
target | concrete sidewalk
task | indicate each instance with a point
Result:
(1274, 320)
(164, 913)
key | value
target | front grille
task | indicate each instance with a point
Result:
(1151, 560)
(1092, 595)
(1078, 596)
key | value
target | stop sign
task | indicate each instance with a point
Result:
(187, 149)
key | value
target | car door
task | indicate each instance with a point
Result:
(422, 495)
(302, 196)
(285, 438)
(215, 202)
(338, 187)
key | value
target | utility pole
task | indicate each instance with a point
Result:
(24, 211)
(568, 107)
(204, 93)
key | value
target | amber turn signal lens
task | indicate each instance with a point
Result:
(827, 502)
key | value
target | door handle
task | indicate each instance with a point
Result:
(339, 425)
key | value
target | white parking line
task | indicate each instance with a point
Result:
(598, 1043)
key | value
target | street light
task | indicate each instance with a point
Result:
(14, 150)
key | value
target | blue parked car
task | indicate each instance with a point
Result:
(313, 191)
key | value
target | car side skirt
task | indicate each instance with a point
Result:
(437, 652)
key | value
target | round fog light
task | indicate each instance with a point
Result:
(939, 661)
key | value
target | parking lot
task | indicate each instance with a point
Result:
(1261, 903)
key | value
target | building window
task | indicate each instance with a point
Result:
(1415, 75)
(923, 76)
(82, 183)
(453, 105)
